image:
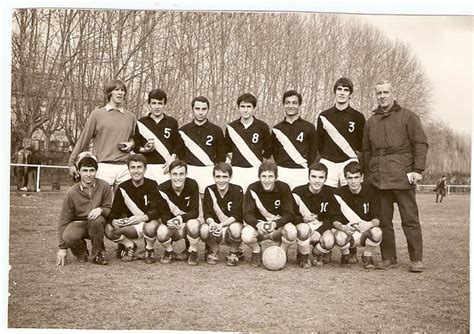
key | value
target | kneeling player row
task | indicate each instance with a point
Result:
(312, 215)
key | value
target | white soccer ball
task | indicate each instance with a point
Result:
(274, 258)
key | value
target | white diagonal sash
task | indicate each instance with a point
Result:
(350, 215)
(261, 208)
(304, 210)
(294, 154)
(247, 153)
(159, 146)
(338, 138)
(134, 209)
(173, 207)
(196, 150)
(220, 215)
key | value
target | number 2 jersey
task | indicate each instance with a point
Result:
(217, 207)
(365, 205)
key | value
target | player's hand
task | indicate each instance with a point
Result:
(348, 229)
(260, 227)
(414, 177)
(149, 146)
(126, 146)
(309, 218)
(133, 220)
(94, 213)
(61, 257)
(176, 222)
(120, 222)
(73, 171)
(217, 230)
(364, 226)
(314, 225)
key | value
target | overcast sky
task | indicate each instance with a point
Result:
(443, 45)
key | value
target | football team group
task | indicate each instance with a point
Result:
(319, 186)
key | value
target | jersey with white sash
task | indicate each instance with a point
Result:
(164, 134)
(186, 204)
(130, 200)
(248, 145)
(221, 208)
(294, 145)
(266, 205)
(340, 133)
(202, 145)
(321, 204)
(354, 207)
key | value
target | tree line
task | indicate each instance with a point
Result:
(62, 58)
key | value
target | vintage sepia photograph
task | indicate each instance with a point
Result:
(237, 169)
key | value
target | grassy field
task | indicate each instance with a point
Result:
(220, 298)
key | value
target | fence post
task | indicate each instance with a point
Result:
(38, 178)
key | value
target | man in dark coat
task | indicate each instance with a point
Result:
(394, 149)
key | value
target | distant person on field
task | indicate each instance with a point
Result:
(32, 158)
(394, 149)
(83, 215)
(111, 128)
(440, 189)
(135, 212)
(157, 137)
(20, 171)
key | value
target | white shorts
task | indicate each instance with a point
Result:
(155, 172)
(336, 176)
(113, 174)
(202, 175)
(293, 176)
(243, 176)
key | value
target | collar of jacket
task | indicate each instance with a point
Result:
(395, 107)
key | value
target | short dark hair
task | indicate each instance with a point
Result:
(344, 82)
(87, 162)
(352, 167)
(137, 157)
(112, 85)
(292, 92)
(318, 166)
(178, 163)
(200, 99)
(248, 98)
(223, 167)
(157, 94)
(268, 166)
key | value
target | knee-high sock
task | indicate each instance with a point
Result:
(285, 243)
(193, 243)
(149, 242)
(167, 245)
(303, 246)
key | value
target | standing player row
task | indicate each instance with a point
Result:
(293, 143)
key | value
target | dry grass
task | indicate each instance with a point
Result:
(220, 298)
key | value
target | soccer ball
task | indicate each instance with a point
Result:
(274, 258)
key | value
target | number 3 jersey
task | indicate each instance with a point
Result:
(264, 205)
(365, 205)
(340, 133)
(164, 134)
(130, 200)
(220, 208)
(322, 204)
